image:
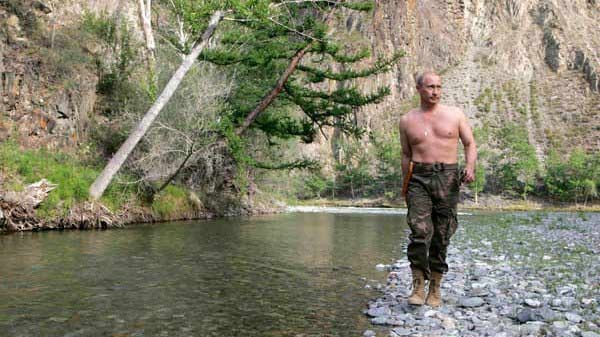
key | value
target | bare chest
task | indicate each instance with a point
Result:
(424, 128)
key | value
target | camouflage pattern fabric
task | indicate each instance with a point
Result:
(432, 198)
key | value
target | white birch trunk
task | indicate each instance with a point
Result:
(146, 21)
(98, 187)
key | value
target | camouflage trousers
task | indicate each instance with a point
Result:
(432, 198)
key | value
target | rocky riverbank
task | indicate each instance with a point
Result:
(485, 202)
(530, 274)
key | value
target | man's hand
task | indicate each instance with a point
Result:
(468, 175)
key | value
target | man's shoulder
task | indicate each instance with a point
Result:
(409, 114)
(451, 110)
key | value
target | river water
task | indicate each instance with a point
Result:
(295, 274)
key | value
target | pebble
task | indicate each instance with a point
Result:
(526, 315)
(380, 311)
(369, 333)
(507, 288)
(572, 317)
(400, 332)
(533, 303)
(471, 302)
(380, 267)
(589, 334)
(380, 320)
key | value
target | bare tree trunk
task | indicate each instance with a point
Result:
(146, 22)
(98, 187)
(168, 181)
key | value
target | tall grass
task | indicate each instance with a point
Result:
(23, 167)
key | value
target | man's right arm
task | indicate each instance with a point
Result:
(406, 151)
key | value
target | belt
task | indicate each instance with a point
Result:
(433, 167)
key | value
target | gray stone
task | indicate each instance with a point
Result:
(587, 302)
(575, 329)
(548, 315)
(573, 317)
(381, 320)
(369, 333)
(532, 328)
(379, 311)
(526, 315)
(568, 302)
(560, 324)
(589, 334)
(401, 332)
(471, 302)
(533, 303)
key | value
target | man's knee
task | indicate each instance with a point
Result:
(445, 223)
(421, 231)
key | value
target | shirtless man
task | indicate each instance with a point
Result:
(429, 137)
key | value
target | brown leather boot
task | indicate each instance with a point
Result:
(434, 296)
(418, 292)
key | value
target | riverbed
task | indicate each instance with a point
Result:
(315, 273)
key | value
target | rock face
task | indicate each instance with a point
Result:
(532, 62)
(36, 108)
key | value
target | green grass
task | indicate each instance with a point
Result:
(23, 167)
(172, 202)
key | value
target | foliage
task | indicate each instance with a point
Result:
(72, 177)
(482, 137)
(316, 184)
(260, 46)
(519, 167)
(479, 183)
(352, 169)
(574, 177)
(484, 100)
(255, 45)
(172, 202)
(116, 63)
(388, 159)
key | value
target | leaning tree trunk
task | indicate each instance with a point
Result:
(98, 187)
(272, 95)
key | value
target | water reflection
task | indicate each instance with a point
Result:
(279, 275)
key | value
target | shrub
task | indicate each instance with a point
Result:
(171, 202)
(73, 179)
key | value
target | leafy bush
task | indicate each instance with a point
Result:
(573, 178)
(519, 169)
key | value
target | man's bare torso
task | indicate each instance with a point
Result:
(433, 135)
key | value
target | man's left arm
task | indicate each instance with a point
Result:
(468, 141)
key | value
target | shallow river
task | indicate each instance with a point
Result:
(277, 275)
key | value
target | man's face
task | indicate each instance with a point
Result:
(431, 90)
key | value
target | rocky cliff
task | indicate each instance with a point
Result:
(532, 62)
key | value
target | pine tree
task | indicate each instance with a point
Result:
(293, 79)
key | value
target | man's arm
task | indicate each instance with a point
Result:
(406, 151)
(468, 141)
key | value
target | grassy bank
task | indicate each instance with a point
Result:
(73, 178)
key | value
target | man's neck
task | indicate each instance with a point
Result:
(428, 108)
